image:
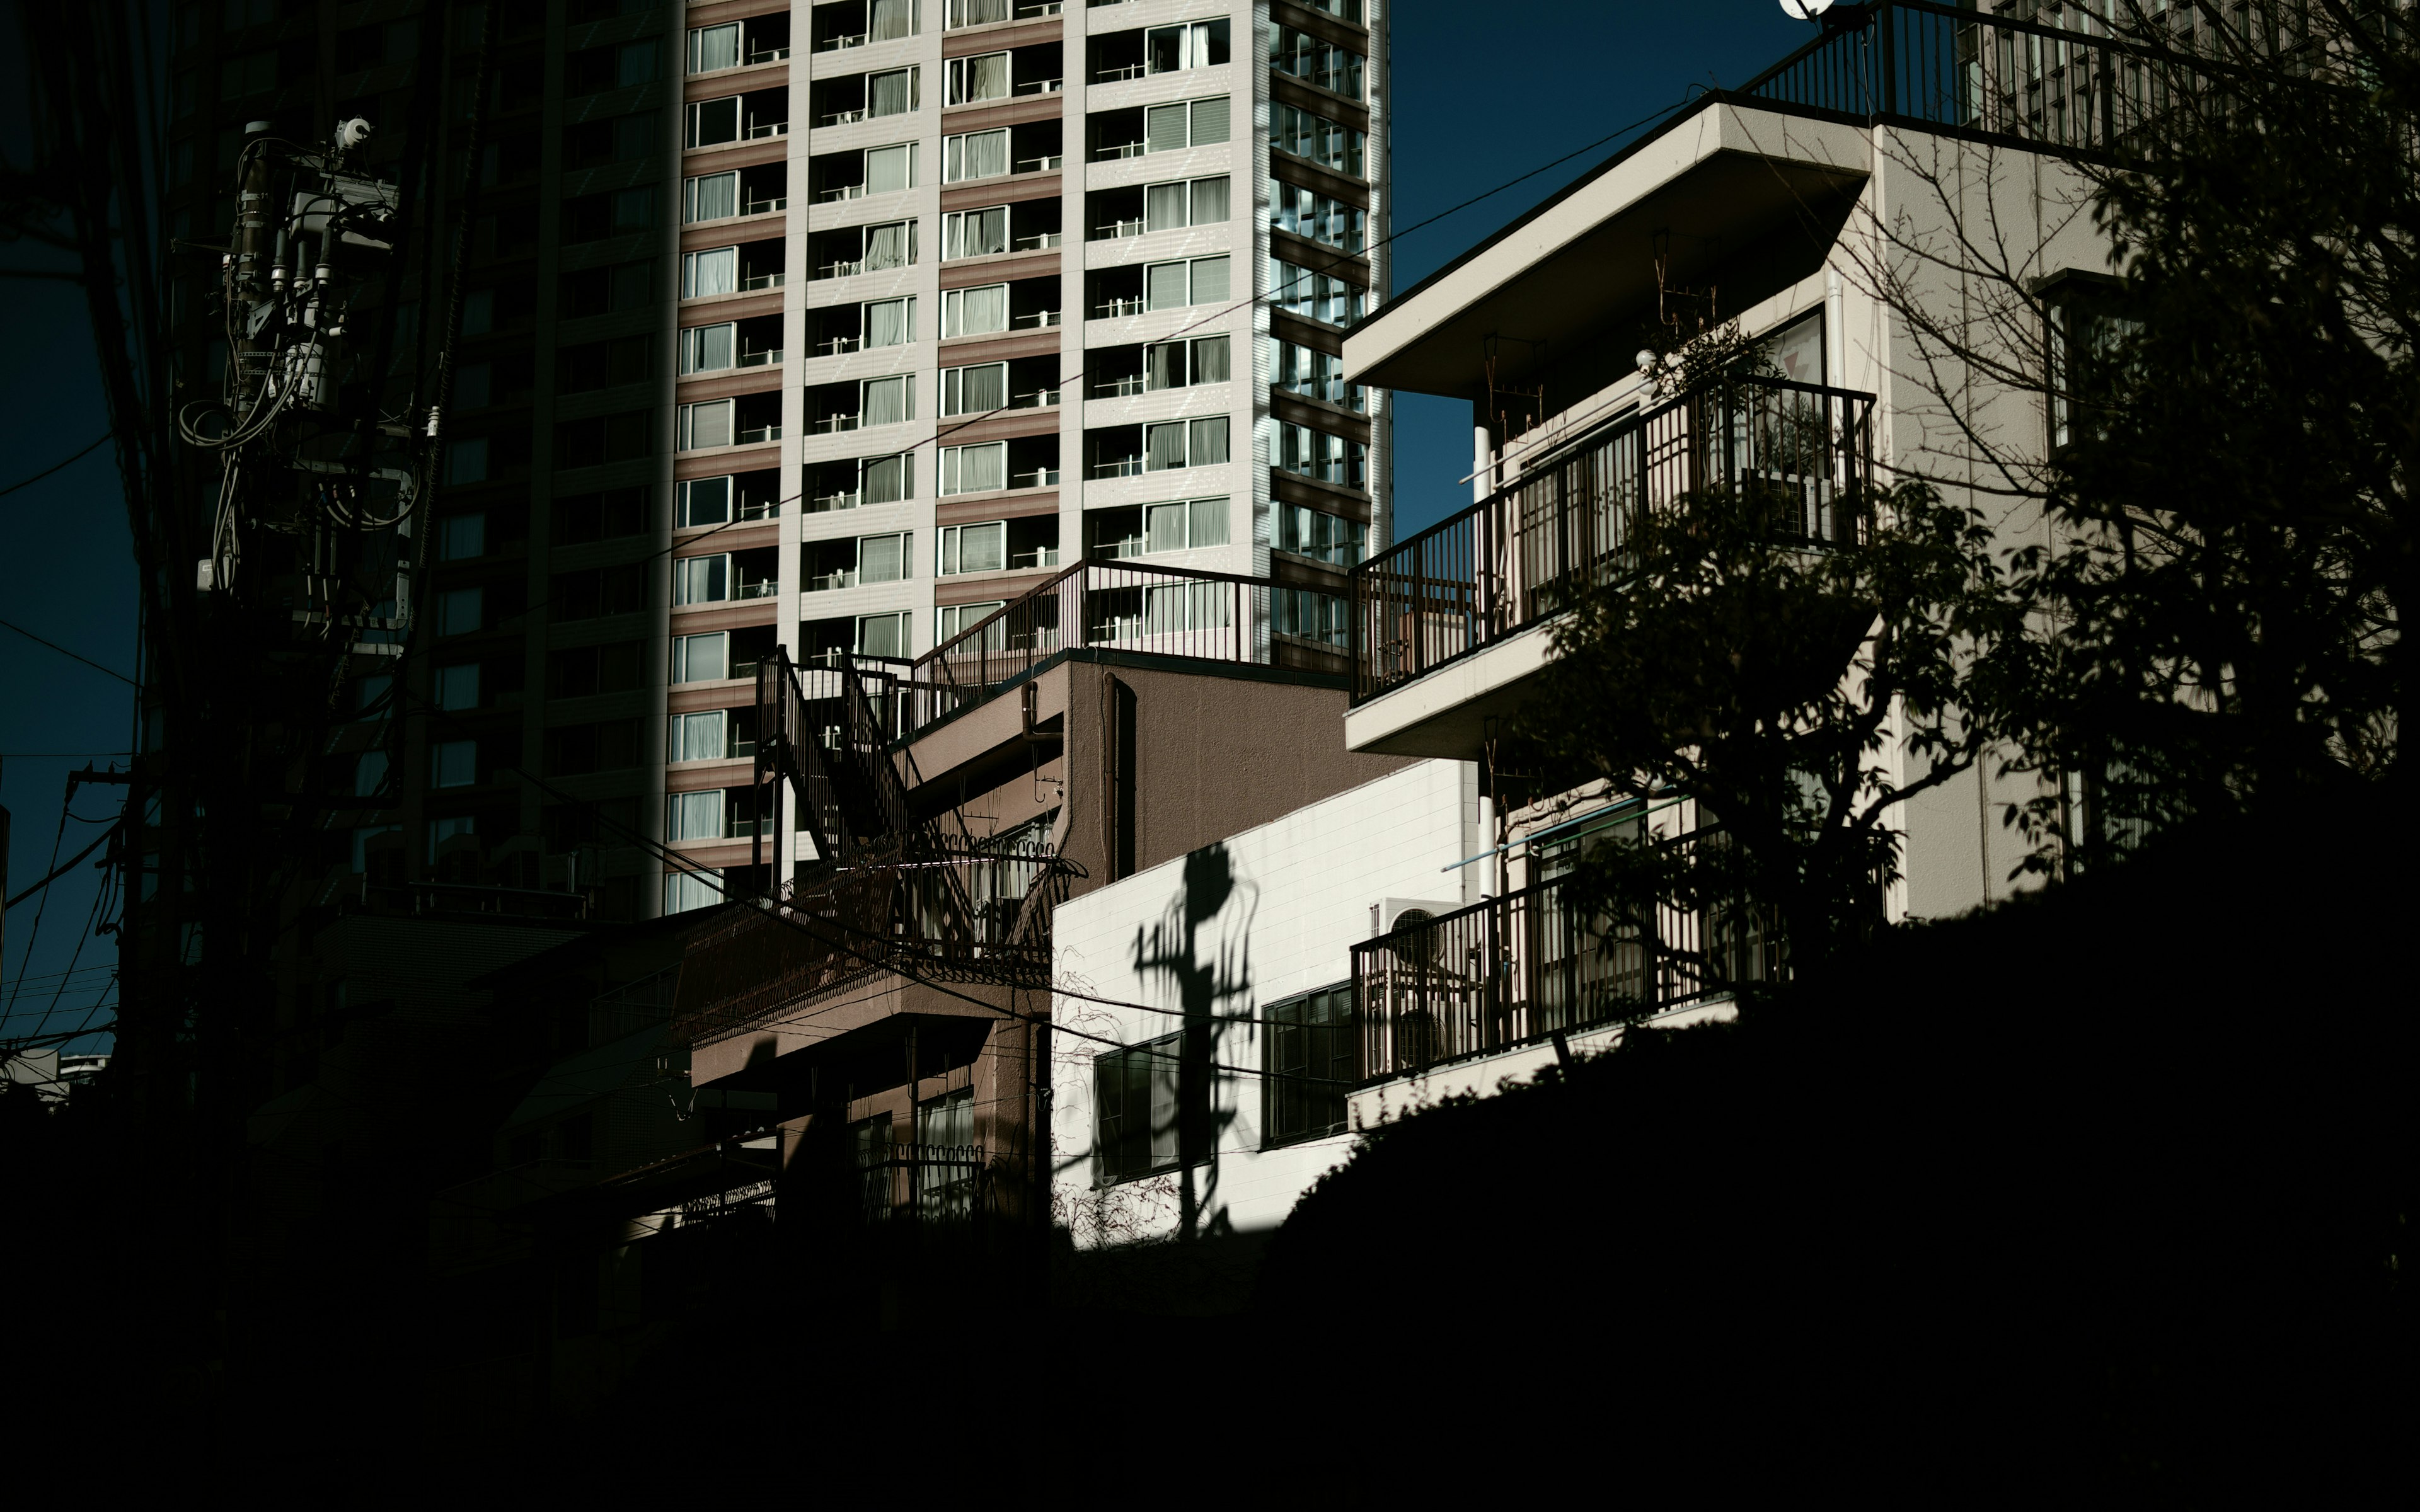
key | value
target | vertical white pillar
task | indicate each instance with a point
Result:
(1483, 463)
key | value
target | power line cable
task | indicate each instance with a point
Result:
(72, 656)
(56, 871)
(97, 442)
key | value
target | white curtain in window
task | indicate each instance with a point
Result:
(888, 401)
(974, 469)
(695, 815)
(1208, 523)
(1164, 286)
(890, 244)
(1209, 201)
(891, 19)
(713, 196)
(701, 579)
(700, 736)
(1163, 206)
(1209, 280)
(1208, 445)
(1164, 527)
(882, 635)
(1164, 127)
(974, 312)
(889, 168)
(982, 548)
(890, 94)
(1210, 360)
(714, 47)
(975, 155)
(976, 233)
(1164, 366)
(981, 78)
(1163, 446)
(975, 391)
(704, 274)
(890, 322)
(707, 349)
(881, 558)
(887, 480)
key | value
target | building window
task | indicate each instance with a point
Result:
(1188, 123)
(454, 763)
(462, 536)
(887, 480)
(1318, 534)
(974, 155)
(710, 196)
(695, 816)
(1186, 202)
(950, 621)
(702, 659)
(457, 687)
(2087, 335)
(711, 734)
(1314, 296)
(974, 469)
(705, 425)
(977, 312)
(975, 391)
(1135, 1106)
(1316, 453)
(370, 774)
(685, 890)
(1315, 139)
(886, 401)
(460, 611)
(1307, 213)
(711, 48)
(702, 579)
(1310, 1065)
(1316, 61)
(1196, 281)
(1312, 374)
(706, 273)
(974, 233)
(891, 169)
(1184, 444)
(1198, 45)
(1176, 364)
(1306, 614)
(974, 547)
(892, 92)
(465, 826)
(889, 322)
(974, 80)
(709, 349)
(882, 635)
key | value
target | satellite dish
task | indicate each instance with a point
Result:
(1805, 10)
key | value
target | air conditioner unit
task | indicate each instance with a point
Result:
(1398, 913)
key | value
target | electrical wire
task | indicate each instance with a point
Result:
(97, 443)
(63, 650)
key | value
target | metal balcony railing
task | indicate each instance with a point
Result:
(924, 1183)
(1527, 552)
(1040, 319)
(765, 207)
(1108, 606)
(1118, 230)
(1038, 242)
(762, 281)
(764, 359)
(1048, 164)
(1513, 970)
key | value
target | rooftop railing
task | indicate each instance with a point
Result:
(1527, 552)
(2076, 87)
(1108, 606)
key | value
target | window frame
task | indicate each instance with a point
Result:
(1344, 1049)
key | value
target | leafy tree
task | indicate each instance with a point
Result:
(1795, 690)
(2231, 413)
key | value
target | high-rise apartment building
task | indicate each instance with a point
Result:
(837, 326)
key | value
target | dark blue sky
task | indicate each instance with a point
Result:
(1481, 94)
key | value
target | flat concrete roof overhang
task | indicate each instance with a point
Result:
(1746, 195)
(1444, 714)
